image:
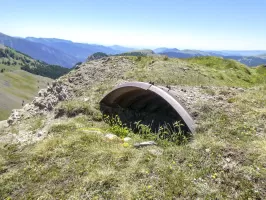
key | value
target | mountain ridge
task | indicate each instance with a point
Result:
(39, 51)
(67, 53)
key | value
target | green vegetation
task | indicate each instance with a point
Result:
(51, 71)
(138, 53)
(17, 60)
(97, 55)
(17, 85)
(224, 159)
(207, 71)
(75, 107)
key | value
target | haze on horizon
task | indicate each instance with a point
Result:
(191, 24)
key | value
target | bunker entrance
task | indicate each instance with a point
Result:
(147, 104)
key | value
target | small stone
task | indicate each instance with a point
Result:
(86, 99)
(39, 134)
(126, 139)
(70, 80)
(207, 150)
(144, 144)
(54, 83)
(228, 160)
(111, 136)
(58, 89)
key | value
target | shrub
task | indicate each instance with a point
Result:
(165, 58)
(116, 126)
(169, 132)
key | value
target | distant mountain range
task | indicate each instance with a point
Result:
(80, 51)
(249, 58)
(213, 52)
(57, 51)
(39, 51)
(67, 53)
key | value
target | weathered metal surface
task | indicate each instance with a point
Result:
(150, 99)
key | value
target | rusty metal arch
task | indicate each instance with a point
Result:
(124, 94)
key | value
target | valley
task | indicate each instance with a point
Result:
(20, 79)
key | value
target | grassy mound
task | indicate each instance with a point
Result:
(225, 159)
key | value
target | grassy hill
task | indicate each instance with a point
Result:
(17, 84)
(16, 60)
(67, 156)
(143, 52)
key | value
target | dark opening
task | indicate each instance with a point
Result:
(134, 104)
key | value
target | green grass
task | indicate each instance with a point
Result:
(209, 71)
(224, 159)
(75, 107)
(16, 86)
(4, 114)
(77, 162)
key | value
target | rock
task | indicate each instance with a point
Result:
(54, 83)
(15, 115)
(86, 99)
(144, 144)
(111, 136)
(241, 90)
(46, 101)
(39, 134)
(71, 79)
(42, 93)
(58, 89)
(228, 159)
(126, 139)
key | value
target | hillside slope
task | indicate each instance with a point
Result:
(11, 59)
(39, 51)
(63, 152)
(17, 84)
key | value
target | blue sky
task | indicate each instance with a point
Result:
(193, 24)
